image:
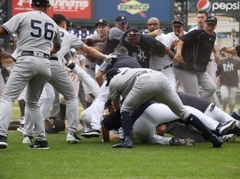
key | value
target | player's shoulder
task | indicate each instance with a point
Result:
(115, 33)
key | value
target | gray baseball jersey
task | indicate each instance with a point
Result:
(36, 37)
(141, 84)
(36, 33)
(68, 41)
(118, 85)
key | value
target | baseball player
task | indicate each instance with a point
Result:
(227, 72)
(114, 36)
(141, 46)
(149, 115)
(144, 119)
(38, 35)
(164, 64)
(214, 58)
(137, 86)
(209, 109)
(233, 50)
(97, 108)
(61, 81)
(102, 28)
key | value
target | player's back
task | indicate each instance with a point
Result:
(68, 41)
(125, 80)
(35, 31)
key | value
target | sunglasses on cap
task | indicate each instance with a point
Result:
(177, 26)
(122, 23)
(133, 34)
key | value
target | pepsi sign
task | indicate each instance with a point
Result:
(216, 6)
(204, 5)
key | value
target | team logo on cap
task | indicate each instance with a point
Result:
(204, 5)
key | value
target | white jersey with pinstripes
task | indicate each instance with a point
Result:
(34, 37)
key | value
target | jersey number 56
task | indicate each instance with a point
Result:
(40, 29)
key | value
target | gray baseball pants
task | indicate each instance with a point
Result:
(31, 71)
(191, 80)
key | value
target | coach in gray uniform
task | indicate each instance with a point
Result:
(37, 34)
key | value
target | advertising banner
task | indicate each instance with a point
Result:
(137, 10)
(73, 9)
(216, 6)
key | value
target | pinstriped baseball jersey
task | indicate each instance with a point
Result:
(34, 37)
(122, 83)
(68, 41)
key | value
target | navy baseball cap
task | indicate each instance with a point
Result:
(40, 2)
(133, 32)
(178, 22)
(121, 19)
(211, 20)
(102, 21)
(110, 74)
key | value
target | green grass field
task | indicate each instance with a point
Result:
(93, 159)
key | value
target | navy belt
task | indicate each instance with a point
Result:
(168, 66)
(53, 58)
(90, 68)
(35, 54)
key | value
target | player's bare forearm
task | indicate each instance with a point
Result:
(179, 47)
(92, 52)
(5, 54)
(116, 104)
(178, 57)
(169, 52)
(105, 134)
(99, 77)
(231, 50)
(155, 32)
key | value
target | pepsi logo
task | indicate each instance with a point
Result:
(204, 5)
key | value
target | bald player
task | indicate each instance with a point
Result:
(164, 64)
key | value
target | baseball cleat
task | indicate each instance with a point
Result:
(27, 139)
(3, 142)
(229, 137)
(127, 143)
(73, 138)
(91, 133)
(175, 141)
(216, 141)
(39, 145)
(224, 129)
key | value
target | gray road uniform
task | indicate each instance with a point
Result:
(62, 82)
(36, 33)
(140, 85)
